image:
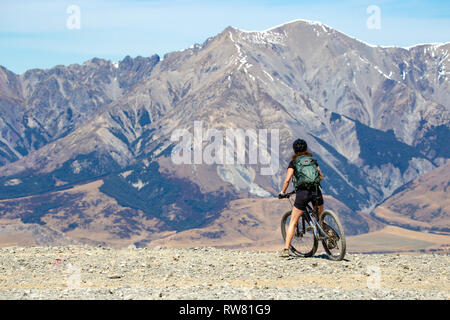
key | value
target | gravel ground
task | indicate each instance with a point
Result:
(85, 272)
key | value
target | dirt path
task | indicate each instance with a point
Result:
(83, 272)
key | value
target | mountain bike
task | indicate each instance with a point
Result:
(310, 229)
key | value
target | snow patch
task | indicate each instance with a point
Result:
(12, 182)
(125, 174)
(376, 68)
(76, 167)
(31, 123)
(139, 184)
(231, 36)
(241, 59)
(381, 72)
(270, 77)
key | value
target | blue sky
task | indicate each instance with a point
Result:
(34, 34)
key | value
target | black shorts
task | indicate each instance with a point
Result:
(304, 196)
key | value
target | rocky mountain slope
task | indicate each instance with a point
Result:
(41, 106)
(375, 117)
(423, 204)
(83, 272)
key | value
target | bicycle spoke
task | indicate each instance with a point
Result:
(334, 243)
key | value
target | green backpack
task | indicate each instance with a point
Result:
(306, 173)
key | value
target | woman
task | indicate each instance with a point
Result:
(303, 195)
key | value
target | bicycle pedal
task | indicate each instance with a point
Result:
(309, 228)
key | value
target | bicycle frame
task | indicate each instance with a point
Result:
(311, 216)
(309, 225)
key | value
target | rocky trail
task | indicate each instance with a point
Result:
(86, 272)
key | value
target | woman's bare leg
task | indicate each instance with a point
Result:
(295, 215)
(319, 210)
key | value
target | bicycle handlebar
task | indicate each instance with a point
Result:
(287, 195)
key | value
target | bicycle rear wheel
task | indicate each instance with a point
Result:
(303, 244)
(334, 245)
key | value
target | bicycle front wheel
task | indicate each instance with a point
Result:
(303, 243)
(334, 244)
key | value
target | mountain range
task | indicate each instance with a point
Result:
(86, 150)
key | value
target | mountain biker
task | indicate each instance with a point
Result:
(303, 194)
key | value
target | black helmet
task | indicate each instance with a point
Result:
(300, 146)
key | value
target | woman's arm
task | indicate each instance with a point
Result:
(289, 175)
(320, 173)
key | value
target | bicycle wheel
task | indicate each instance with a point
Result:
(334, 245)
(303, 244)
